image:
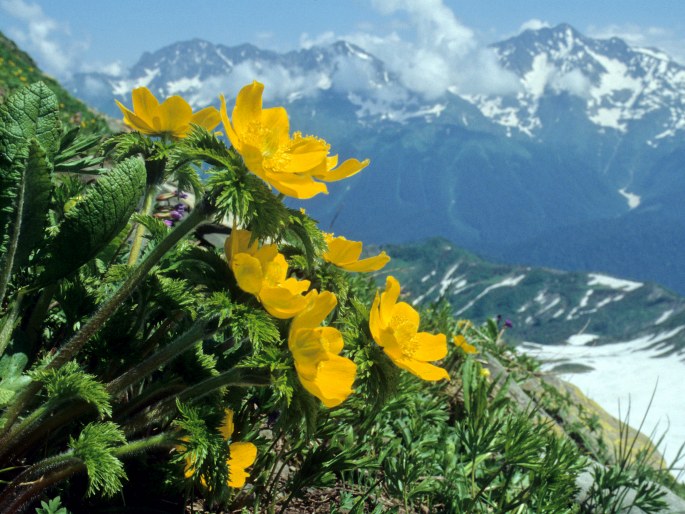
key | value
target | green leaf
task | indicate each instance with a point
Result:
(70, 382)
(94, 446)
(31, 112)
(11, 377)
(96, 219)
(25, 189)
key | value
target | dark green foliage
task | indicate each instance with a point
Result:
(26, 196)
(73, 155)
(96, 219)
(29, 113)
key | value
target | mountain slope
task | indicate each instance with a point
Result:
(545, 306)
(17, 69)
(585, 159)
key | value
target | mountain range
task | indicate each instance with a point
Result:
(579, 168)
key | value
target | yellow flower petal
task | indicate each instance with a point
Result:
(404, 318)
(369, 264)
(318, 307)
(388, 299)
(341, 251)
(333, 382)
(290, 165)
(281, 303)
(345, 254)
(230, 133)
(227, 427)
(302, 187)
(295, 286)
(208, 118)
(248, 273)
(239, 242)
(133, 121)
(172, 117)
(145, 104)
(346, 169)
(248, 108)
(276, 119)
(430, 347)
(375, 319)
(242, 456)
(308, 350)
(394, 327)
(460, 342)
(274, 263)
(175, 115)
(423, 370)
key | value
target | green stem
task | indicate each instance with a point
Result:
(19, 494)
(179, 345)
(10, 322)
(140, 228)
(33, 329)
(6, 272)
(232, 377)
(196, 217)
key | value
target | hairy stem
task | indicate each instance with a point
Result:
(69, 350)
(10, 322)
(167, 353)
(232, 377)
(137, 244)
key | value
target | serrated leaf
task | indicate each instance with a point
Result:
(24, 201)
(96, 219)
(94, 446)
(31, 112)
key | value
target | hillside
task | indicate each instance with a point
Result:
(18, 69)
(545, 306)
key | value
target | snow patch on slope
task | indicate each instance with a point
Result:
(627, 372)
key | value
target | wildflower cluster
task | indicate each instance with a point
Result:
(178, 308)
(179, 297)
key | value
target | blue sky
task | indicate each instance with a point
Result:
(72, 35)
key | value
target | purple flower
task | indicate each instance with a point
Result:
(508, 323)
(169, 223)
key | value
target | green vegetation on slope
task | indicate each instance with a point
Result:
(17, 69)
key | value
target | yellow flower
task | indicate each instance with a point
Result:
(345, 254)
(172, 117)
(320, 368)
(289, 164)
(460, 342)
(484, 372)
(241, 454)
(394, 326)
(262, 272)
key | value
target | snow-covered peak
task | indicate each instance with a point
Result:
(617, 84)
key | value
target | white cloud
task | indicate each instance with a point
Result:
(42, 36)
(534, 24)
(440, 53)
(666, 40)
(573, 82)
